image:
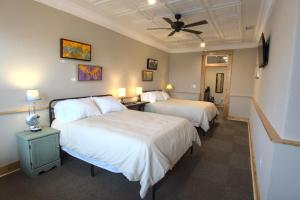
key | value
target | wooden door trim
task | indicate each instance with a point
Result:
(227, 80)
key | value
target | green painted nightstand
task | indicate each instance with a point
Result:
(39, 151)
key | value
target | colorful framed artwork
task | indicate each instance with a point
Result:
(219, 82)
(152, 64)
(89, 73)
(75, 50)
(147, 75)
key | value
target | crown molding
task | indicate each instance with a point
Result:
(74, 9)
(265, 11)
(71, 7)
(216, 48)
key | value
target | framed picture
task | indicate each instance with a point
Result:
(147, 75)
(75, 50)
(89, 73)
(219, 82)
(152, 64)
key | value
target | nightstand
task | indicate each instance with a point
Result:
(138, 105)
(39, 151)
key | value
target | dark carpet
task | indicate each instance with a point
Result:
(219, 170)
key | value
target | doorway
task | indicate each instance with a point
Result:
(215, 79)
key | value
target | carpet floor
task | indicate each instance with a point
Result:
(219, 170)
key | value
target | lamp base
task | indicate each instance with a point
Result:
(35, 128)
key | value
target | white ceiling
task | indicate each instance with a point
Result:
(226, 28)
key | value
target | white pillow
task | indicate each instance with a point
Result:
(165, 95)
(90, 107)
(151, 97)
(75, 109)
(148, 96)
(158, 96)
(145, 96)
(109, 104)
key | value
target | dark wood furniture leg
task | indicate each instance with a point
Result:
(192, 149)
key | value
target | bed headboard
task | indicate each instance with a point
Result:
(151, 90)
(54, 101)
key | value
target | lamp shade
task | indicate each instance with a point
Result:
(32, 95)
(138, 90)
(122, 92)
(169, 87)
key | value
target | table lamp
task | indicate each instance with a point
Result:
(139, 91)
(122, 93)
(169, 87)
(32, 121)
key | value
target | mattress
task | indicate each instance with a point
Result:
(199, 113)
(142, 146)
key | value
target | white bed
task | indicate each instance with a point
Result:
(199, 113)
(142, 146)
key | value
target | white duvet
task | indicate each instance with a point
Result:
(199, 113)
(142, 146)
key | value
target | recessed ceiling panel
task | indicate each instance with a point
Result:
(227, 19)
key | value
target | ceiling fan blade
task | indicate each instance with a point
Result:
(192, 31)
(196, 24)
(172, 33)
(159, 29)
(169, 21)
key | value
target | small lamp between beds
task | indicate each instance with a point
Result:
(138, 92)
(122, 94)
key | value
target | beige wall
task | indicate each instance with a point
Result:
(277, 93)
(185, 70)
(184, 73)
(29, 58)
(271, 90)
(210, 80)
(242, 77)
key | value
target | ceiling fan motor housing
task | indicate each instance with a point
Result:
(178, 25)
(177, 16)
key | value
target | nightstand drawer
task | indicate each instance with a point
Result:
(44, 150)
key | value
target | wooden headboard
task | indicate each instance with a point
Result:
(54, 101)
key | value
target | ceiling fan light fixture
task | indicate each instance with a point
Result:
(151, 2)
(202, 44)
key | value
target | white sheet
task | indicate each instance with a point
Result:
(199, 113)
(142, 146)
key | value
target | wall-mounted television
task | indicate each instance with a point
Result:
(263, 51)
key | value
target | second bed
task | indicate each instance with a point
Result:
(199, 113)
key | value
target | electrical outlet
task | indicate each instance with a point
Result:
(194, 86)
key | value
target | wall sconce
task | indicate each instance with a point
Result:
(139, 91)
(122, 93)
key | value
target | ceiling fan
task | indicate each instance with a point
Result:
(177, 25)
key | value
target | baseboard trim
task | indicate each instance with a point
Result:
(7, 169)
(256, 192)
(240, 119)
